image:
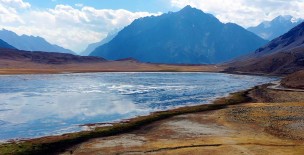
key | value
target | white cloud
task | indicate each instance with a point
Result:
(79, 5)
(15, 3)
(70, 27)
(8, 11)
(246, 12)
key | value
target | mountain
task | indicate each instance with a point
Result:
(283, 55)
(93, 46)
(50, 58)
(278, 26)
(3, 44)
(189, 36)
(30, 43)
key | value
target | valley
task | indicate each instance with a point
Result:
(182, 82)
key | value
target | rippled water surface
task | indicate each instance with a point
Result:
(40, 105)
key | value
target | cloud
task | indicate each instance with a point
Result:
(65, 25)
(79, 5)
(8, 11)
(246, 12)
(15, 3)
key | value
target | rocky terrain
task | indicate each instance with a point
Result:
(283, 55)
(295, 80)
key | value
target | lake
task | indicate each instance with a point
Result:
(41, 105)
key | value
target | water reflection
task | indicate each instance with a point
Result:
(39, 105)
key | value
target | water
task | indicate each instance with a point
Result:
(41, 105)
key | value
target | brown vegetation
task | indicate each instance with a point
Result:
(295, 80)
(282, 63)
(22, 62)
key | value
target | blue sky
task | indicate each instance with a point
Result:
(74, 24)
(131, 5)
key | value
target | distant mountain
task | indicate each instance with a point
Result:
(189, 36)
(30, 43)
(272, 29)
(3, 44)
(283, 55)
(93, 46)
(49, 58)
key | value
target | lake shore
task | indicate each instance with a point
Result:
(270, 123)
(240, 122)
(9, 67)
(53, 144)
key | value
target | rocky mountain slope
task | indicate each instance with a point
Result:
(189, 36)
(295, 80)
(283, 55)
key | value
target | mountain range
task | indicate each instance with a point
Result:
(189, 36)
(5, 45)
(270, 30)
(93, 46)
(283, 55)
(30, 43)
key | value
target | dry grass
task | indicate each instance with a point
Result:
(19, 67)
(295, 80)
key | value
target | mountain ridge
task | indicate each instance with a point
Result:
(4, 44)
(270, 30)
(91, 47)
(283, 55)
(30, 43)
(188, 36)
(41, 57)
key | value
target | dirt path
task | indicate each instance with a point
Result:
(277, 86)
(254, 128)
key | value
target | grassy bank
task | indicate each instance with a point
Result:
(55, 144)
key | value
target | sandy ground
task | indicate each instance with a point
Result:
(20, 67)
(252, 128)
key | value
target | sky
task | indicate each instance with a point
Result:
(74, 24)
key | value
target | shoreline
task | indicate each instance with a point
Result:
(65, 142)
(271, 122)
(51, 144)
(19, 67)
(92, 126)
(55, 71)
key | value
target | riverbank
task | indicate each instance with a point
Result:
(255, 121)
(271, 123)
(53, 144)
